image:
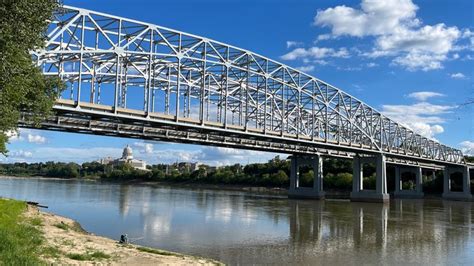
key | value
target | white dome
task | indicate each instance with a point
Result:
(127, 153)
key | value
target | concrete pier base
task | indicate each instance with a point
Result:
(408, 194)
(370, 196)
(417, 193)
(380, 193)
(305, 193)
(315, 192)
(465, 194)
(461, 196)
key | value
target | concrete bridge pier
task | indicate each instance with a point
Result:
(399, 192)
(358, 192)
(465, 194)
(316, 163)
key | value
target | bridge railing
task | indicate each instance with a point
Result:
(120, 63)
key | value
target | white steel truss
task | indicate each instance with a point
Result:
(120, 67)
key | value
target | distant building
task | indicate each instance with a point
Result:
(127, 158)
(186, 166)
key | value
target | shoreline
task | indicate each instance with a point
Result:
(265, 191)
(228, 187)
(67, 243)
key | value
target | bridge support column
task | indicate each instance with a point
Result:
(380, 193)
(315, 192)
(465, 194)
(413, 194)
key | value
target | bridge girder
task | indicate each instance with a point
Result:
(109, 61)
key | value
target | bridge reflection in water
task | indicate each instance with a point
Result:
(253, 229)
(405, 232)
(243, 228)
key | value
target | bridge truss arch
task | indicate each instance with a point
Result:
(125, 71)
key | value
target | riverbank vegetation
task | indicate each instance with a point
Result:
(29, 236)
(20, 239)
(274, 173)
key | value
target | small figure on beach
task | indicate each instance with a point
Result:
(123, 239)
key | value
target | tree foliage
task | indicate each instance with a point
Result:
(22, 85)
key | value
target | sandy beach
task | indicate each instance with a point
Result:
(68, 244)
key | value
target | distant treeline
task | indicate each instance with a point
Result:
(274, 173)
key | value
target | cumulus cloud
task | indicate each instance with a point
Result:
(290, 44)
(26, 135)
(397, 31)
(306, 68)
(224, 156)
(38, 139)
(216, 156)
(423, 118)
(458, 75)
(315, 53)
(14, 136)
(144, 147)
(420, 61)
(424, 95)
(467, 147)
(20, 154)
(66, 154)
(374, 18)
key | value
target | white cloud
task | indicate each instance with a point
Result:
(306, 68)
(423, 118)
(20, 154)
(315, 53)
(371, 64)
(290, 44)
(467, 147)
(38, 139)
(374, 18)
(458, 75)
(65, 154)
(437, 39)
(416, 61)
(224, 156)
(397, 31)
(424, 95)
(144, 147)
(26, 134)
(14, 136)
(323, 37)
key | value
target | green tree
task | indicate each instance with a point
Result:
(22, 85)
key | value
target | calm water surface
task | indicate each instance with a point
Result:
(246, 228)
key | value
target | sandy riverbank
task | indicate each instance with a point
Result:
(66, 243)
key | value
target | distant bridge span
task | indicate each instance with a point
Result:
(134, 79)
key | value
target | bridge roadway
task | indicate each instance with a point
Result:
(134, 79)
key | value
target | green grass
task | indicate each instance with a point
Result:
(63, 226)
(20, 242)
(77, 227)
(88, 256)
(74, 227)
(51, 252)
(36, 221)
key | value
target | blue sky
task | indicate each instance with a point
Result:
(412, 60)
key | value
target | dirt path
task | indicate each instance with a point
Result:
(67, 243)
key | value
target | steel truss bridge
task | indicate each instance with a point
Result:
(135, 79)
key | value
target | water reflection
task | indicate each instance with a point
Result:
(244, 228)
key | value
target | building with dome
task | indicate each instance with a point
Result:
(127, 158)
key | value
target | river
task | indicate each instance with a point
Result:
(248, 228)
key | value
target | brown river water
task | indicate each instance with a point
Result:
(241, 228)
